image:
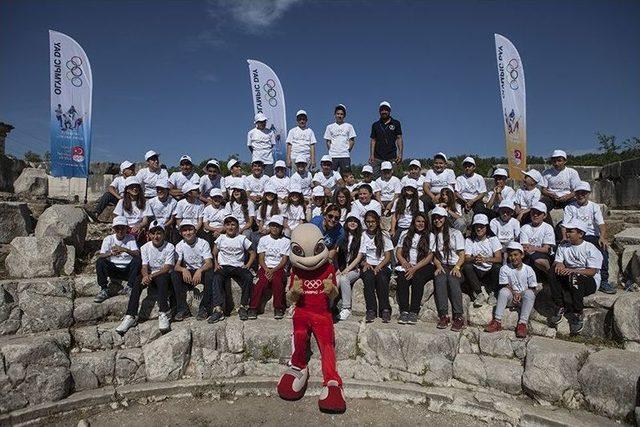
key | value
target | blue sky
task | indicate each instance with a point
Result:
(172, 76)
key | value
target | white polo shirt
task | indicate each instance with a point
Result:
(388, 189)
(584, 255)
(178, 179)
(537, 236)
(148, 180)
(470, 187)
(520, 279)
(438, 181)
(231, 249)
(161, 211)
(123, 259)
(194, 255)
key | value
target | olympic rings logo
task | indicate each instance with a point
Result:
(313, 284)
(512, 69)
(75, 72)
(270, 91)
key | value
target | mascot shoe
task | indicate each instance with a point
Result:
(293, 383)
(332, 399)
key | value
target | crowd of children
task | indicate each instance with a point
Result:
(175, 232)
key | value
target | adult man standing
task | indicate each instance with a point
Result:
(386, 139)
(340, 137)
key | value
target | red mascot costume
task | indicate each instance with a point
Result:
(312, 287)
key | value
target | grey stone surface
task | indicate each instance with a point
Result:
(167, 357)
(500, 374)
(66, 222)
(129, 367)
(85, 285)
(46, 304)
(609, 380)
(70, 263)
(88, 312)
(92, 370)
(626, 316)
(10, 313)
(267, 339)
(10, 170)
(36, 257)
(15, 221)
(502, 344)
(31, 182)
(631, 263)
(628, 236)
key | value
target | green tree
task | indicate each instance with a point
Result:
(607, 143)
(30, 156)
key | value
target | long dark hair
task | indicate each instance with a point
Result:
(446, 241)
(127, 200)
(423, 243)
(378, 238)
(414, 202)
(244, 202)
(347, 195)
(275, 207)
(451, 199)
(303, 202)
(346, 252)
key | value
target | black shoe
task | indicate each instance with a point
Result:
(557, 318)
(386, 316)
(184, 314)
(412, 318)
(252, 314)
(370, 316)
(216, 316)
(403, 317)
(243, 313)
(203, 314)
(576, 324)
(278, 313)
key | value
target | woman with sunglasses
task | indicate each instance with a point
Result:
(332, 231)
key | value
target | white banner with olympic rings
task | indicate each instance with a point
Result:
(71, 91)
(514, 106)
(268, 99)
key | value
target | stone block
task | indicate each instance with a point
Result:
(129, 367)
(66, 222)
(32, 182)
(502, 344)
(15, 221)
(500, 374)
(628, 236)
(36, 257)
(92, 370)
(626, 316)
(46, 304)
(10, 313)
(166, 358)
(267, 339)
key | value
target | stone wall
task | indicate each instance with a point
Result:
(10, 170)
(619, 184)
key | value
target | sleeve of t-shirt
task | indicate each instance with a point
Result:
(468, 247)
(313, 137)
(170, 254)
(249, 139)
(179, 254)
(549, 236)
(524, 234)
(352, 132)
(393, 208)
(106, 245)
(252, 210)
(432, 242)
(597, 214)
(459, 242)
(327, 133)
(262, 245)
(172, 179)
(495, 244)
(536, 196)
(483, 185)
(118, 210)
(574, 179)
(401, 239)
(179, 210)
(205, 250)
(493, 225)
(532, 280)
(131, 245)
(516, 229)
(115, 181)
(458, 184)
(147, 210)
(363, 246)
(336, 175)
(388, 245)
(289, 136)
(504, 275)
(452, 177)
(246, 243)
(594, 257)
(566, 217)
(144, 254)
(560, 254)
(284, 247)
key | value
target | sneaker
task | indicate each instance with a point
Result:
(163, 323)
(403, 317)
(179, 317)
(480, 300)
(458, 324)
(630, 286)
(243, 313)
(252, 314)
(443, 322)
(344, 314)
(557, 318)
(103, 295)
(370, 316)
(386, 316)
(216, 316)
(608, 288)
(576, 324)
(278, 313)
(127, 323)
(521, 330)
(494, 326)
(412, 318)
(203, 314)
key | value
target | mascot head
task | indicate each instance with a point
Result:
(308, 251)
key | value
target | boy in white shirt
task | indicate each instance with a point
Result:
(437, 178)
(115, 191)
(212, 179)
(340, 137)
(327, 177)
(538, 240)
(229, 252)
(235, 176)
(470, 188)
(415, 172)
(367, 178)
(301, 141)
(213, 215)
(281, 181)
(527, 196)
(255, 182)
(260, 141)
(389, 186)
(119, 259)
(501, 191)
(162, 208)
(575, 275)
(157, 259)
(177, 180)
(505, 227)
(303, 177)
(151, 174)
(558, 182)
(190, 207)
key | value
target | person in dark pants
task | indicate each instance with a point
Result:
(119, 259)
(471, 188)
(115, 191)
(386, 139)
(483, 259)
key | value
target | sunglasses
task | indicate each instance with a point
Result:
(333, 217)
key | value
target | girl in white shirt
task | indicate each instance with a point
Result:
(132, 206)
(295, 212)
(213, 215)
(239, 207)
(319, 201)
(349, 258)
(527, 196)
(505, 227)
(343, 200)
(365, 202)
(268, 208)
(448, 202)
(483, 257)
(405, 208)
(190, 207)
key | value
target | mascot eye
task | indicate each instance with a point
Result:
(320, 247)
(297, 250)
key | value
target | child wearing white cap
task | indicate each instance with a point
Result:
(260, 141)
(538, 240)
(415, 172)
(177, 180)
(235, 177)
(482, 260)
(505, 227)
(115, 191)
(119, 259)
(471, 188)
(558, 182)
(281, 181)
(319, 201)
(302, 177)
(273, 256)
(213, 215)
(268, 207)
(162, 208)
(349, 259)
(133, 207)
(405, 208)
(575, 274)
(190, 207)
(295, 211)
(148, 176)
(437, 178)
(389, 186)
(255, 182)
(212, 179)
(340, 138)
(501, 191)
(301, 141)
(157, 260)
(326, 177)
(239, 207)
(367, 178)
(527, 196)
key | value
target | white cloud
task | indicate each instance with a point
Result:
(253, 16)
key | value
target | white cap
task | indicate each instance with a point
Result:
(301, 112)
(155, 224)
(558, 153)
(280, 164)
(318, 191)
(259, 118)
(231, 163)
(230, 218)
(438, 210)
(237, 184)
(295, 187)
(384, 166)
(507, 203)
(186, 222)
(125, 165)
(213, 162)
(480, 219)
(535, 175)
(410, 182)
(515, 246)
(576, 223)
(583, 186)
(469, 160)
(415, 162)
(301, 159)
(215, 192)
(540, 207)
(119, 220)
(186, 157)
(326, 158)
(384, 104)
(367, 168)
(441, 154)
(189, 186)
(277, 219)
(163, 183)
(270, 187)
(254, 161)
(132, 180)
(500, 172)
(352, 216)
(150, 153)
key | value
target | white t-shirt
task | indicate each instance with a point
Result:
(373, 184)
(148, 180)
(537, 236)
(419, 180)
(327, 182)
(231, 249)
(135, 216)
(359, 210)
(214, 216)
(161, 211)
(230, 181)
(262, 142)
(527, 198)
(295, 215)
(413, 250)
(438, 181)
(273, 249)
(388, 189)
(368, 248)
(178, 179)
(584, 255)
(520, 279)
(156, 257)
(267, 214)
(456, 243)
(485, 248)
(405, 218)
(235, 210)
(561, 182)
(305, 182)
(282, 186)
(193, 255)
(339, 136)
(206, 185)
(301, 141)
(590, 214)
(118, 184)
(470, 187)
(317, 210)
(123, 259)
(255, 186)
(505, 232)
(507, 193)
(187, 210)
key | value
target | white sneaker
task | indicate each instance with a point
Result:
(345, 313)
(127, 323)
(164, 323)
